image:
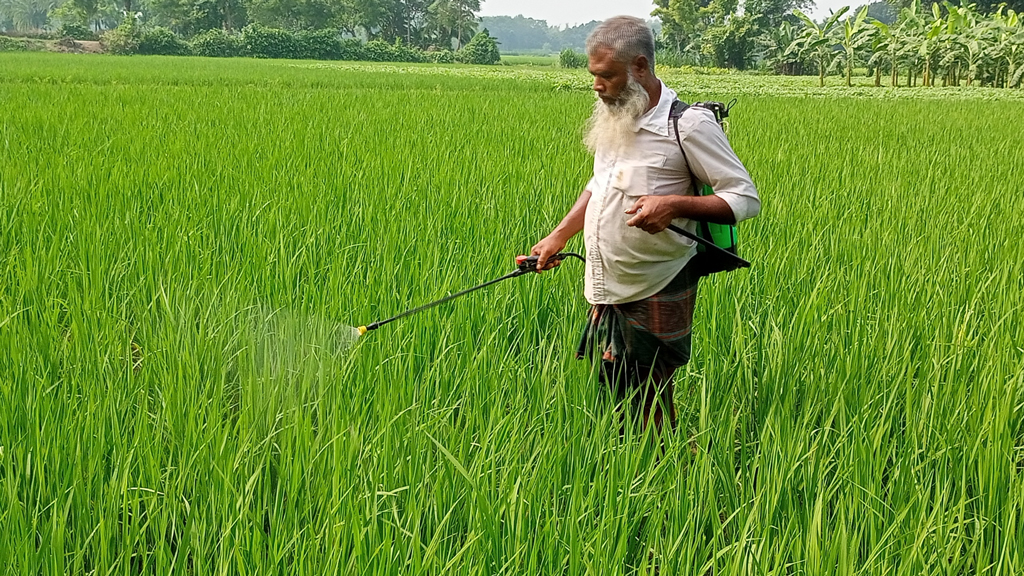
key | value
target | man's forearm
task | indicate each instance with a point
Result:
(703, 208)
(573, 221)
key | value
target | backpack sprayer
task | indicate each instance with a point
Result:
(714, 240)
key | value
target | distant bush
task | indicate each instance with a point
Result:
(482, 49)
(11, 45)
(351, 49)
(262, 42)
(319, 45)
(442, 57)
(381, 51)
(377, 51)
(162, 41)
(259, 41)
(76, 31)
(570, 58)
(216, 43)
(122, 40)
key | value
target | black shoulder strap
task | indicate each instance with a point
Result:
(674, 114)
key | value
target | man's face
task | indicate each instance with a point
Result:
(610, 76)
(621, 100)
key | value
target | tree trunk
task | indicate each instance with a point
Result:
(458, 6)
(878, 76)
(849, 71)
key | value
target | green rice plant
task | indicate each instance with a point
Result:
(183, 247)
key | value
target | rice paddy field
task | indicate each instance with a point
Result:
(186, 243)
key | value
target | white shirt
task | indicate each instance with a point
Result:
(626, 264)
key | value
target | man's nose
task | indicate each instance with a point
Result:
(599, 86)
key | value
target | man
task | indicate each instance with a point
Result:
(638, 281)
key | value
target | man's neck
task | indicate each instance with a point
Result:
(653, 88)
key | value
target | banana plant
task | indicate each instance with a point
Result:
(889, 47)
(879, 46)
(815, 43)
(952, 42)
(911, 33)
(780, 50)
(856, 34)
(1007, 47)
(930, 43)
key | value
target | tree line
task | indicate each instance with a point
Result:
(424, 24)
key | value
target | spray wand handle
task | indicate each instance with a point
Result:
(529, 263)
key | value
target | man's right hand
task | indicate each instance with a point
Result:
(546, 248)
(554, 243)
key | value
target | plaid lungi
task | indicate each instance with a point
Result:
(649, 337)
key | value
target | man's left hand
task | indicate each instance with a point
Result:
(652, 214)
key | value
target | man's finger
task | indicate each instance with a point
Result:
(542, 259)
(635, 220)
(636, 206)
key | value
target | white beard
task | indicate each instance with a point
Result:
(612, 127)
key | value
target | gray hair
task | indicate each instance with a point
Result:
(627, 36)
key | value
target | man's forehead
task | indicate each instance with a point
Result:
(602, 59)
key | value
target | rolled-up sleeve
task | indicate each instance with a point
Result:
(713, 161)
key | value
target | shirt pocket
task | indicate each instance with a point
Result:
(639, 177)
(630, 179)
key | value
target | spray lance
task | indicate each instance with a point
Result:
(524, 265)
(527, 264)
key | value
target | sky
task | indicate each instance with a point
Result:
(570, 12)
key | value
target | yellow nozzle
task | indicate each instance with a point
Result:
(362, 330)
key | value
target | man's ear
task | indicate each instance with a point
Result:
(640, 68)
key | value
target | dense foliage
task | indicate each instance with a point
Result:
(422, 24)
(261, 42)
(482, 49)
(217, 43)
(160, 40)
(950, 44)
(964, 40)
